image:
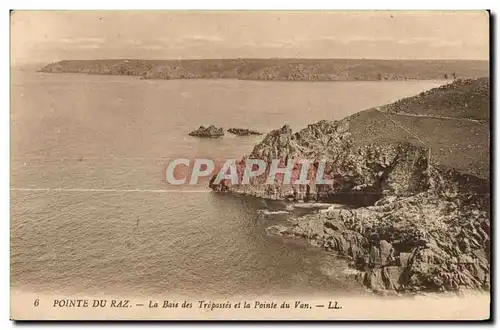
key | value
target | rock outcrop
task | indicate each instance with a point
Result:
(210, 132)
(243, 131)
(419, 196)
(417, 243)
(361, 174)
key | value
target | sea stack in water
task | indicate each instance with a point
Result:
(243, 131)
(209, 132)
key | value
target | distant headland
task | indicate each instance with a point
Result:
(278, 69)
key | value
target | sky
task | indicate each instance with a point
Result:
(49, 36)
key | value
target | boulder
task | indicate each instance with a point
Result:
(277, 230)
(210, 132)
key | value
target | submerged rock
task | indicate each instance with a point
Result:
(276, 230)
(210, 131)
(268, 212)
(243, 131)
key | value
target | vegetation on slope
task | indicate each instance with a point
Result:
(464, 98)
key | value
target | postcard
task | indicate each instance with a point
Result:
(250, 165)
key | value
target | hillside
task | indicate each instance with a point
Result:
(415, 187)
(278, 69)
(462, 99)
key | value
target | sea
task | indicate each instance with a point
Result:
(91, 212)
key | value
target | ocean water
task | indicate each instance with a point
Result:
(104, 142)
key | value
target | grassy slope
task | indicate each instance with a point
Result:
(277, 69)
(461, 99)
(455, 143)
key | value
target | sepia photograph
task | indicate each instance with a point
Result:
(250, 165)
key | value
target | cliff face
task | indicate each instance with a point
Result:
(419, 195)
(376, 152)
(370, 171)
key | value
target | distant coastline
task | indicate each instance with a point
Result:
(278, 69)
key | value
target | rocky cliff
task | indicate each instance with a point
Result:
(369, 171)
(418, 195)
(423, 242)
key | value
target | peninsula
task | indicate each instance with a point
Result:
(414, 179)
(278, 69)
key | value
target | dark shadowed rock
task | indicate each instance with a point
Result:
(210, 132)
